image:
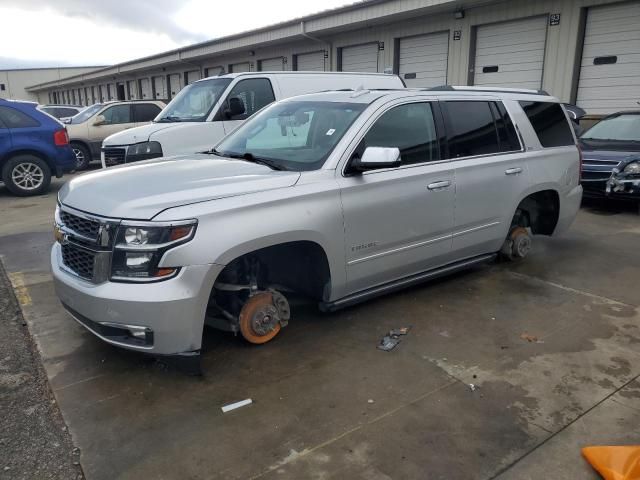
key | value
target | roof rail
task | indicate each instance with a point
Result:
(451, 88)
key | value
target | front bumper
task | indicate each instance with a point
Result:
(163, 318)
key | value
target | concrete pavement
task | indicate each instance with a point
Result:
(327, 404)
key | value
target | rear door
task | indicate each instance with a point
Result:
(5, 139)
(398, 221)
(144, 113)
(252, 94)
(490, 170)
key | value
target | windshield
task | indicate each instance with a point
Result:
(86, 114)
(292, 135)
(194, 102)
(624, 128)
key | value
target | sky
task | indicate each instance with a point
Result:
(37, 33)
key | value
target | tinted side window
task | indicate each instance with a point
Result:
(66, 112)
(507, 135)
(254, 93)
(117, 114)
(549, 122)
(471, 127)
(145, 112)
(411, 128)
(13, 118)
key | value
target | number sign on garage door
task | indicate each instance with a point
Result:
(610, 68)
(423, 60)
(511, 54)
(271, 64)
(310, 62)
(360, 58)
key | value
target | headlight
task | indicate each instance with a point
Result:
(140, 247)
(632, 169)
(143, 151)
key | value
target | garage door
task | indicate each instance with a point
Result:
(193, 76)
(159, 87)
(175, 84)
(361, 58)
(310, 62)
(272, 64)
(145, 88)
(610, 68)
(423, 60)
(239, 67)
(511, 54)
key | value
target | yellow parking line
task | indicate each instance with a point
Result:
(22, 292)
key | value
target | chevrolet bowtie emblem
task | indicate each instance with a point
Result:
(60, 236)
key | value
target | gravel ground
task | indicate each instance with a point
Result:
(34, 442)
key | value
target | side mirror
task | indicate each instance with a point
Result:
(236, 107)
(100, 120)
(375, 158)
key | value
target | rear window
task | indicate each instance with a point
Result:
(145, 112)
(13, 118)
(550, 123)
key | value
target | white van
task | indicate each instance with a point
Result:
(207, 110)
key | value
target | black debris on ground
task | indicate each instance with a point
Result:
(34, 441)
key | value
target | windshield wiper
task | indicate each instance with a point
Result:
(170, 118)
(250, 157)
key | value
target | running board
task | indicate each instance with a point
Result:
(405, 282)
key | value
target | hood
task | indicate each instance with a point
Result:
(137, 134)
(141, 191)
(611, 155)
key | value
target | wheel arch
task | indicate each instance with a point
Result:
(542, 209)
(27, 151)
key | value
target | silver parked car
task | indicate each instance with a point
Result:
(340, 196)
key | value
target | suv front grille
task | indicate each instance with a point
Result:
(83, 226)
(114, 156)
(78, 260)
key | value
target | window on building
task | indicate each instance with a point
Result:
(550, 123)
(410, 128)
(13, 118)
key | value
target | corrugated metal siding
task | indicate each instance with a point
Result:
(511, 54)
(613, 32)
(360, 58)
(423, 60)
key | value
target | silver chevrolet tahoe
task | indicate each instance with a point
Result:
(337, 196)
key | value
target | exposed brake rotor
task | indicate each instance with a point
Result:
(263, 315)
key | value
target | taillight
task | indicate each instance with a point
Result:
(60, 138)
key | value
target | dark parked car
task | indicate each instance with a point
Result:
(33, 146)
(61, 111)
(611, 150)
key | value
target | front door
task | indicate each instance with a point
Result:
(116, 119)
(246, 97)
(398, 221)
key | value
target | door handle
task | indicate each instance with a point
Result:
(439, 185)
(513, 171)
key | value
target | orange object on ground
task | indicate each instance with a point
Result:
(615, 463)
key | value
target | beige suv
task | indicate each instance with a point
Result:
(90, 127)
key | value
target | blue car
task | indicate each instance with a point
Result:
(33, 147)
(611, 150)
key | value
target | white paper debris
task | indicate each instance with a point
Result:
(331, 131)
(233, 406)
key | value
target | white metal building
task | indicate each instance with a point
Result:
(582, 51)
(15, 81)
